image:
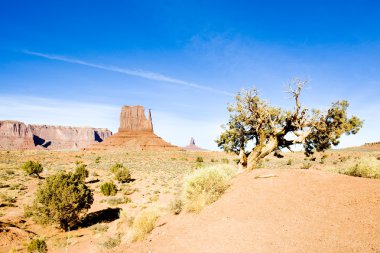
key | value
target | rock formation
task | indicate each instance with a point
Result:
(135, 133)
(192, 146)
(15, 135)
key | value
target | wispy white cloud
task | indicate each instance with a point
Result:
(131, 72)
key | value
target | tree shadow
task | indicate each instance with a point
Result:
(105, 215)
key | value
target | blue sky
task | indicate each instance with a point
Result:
(77, 62)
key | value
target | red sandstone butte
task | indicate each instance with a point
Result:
(135, 133)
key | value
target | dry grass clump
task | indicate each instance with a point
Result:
(205, 186)
(144, 223)
(368, 167)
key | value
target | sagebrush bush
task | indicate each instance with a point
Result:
(37, 246)
(205, 186)
(122, 175)
(368, 167)
(108, 189)
(32, 168)
(176, 206)
(144, 223)
(116, 167)
(62, 199)
(81, 171)
(199, 159)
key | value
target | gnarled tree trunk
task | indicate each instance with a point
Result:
(260, 151)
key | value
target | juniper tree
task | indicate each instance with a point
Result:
(271, 129)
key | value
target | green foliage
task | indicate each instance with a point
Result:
(116, 167)
(289, 162)
(255, 121)
(81, 171)
(123, 175)
(37, 246)
(62, 199)
(97, 159)
(199, 159)
(204, 186)
(108, 189)
(32, 168)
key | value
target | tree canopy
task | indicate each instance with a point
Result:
(271, 129)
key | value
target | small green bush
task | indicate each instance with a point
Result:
(116, 167)
(62, 199)
(32, 168)
(37, 246)
(108, 189)
(289, 162)
(199, 159)
(306, 166)
(81, 171)
(123, 175)
(97, 159)
(225, 160)
(205, 186)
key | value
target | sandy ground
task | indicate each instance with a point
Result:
(297, 211)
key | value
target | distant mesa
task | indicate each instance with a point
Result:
(192, 146)
(135, 133)
(16, 135)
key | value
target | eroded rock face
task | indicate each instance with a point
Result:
(135, 133)
(16, 135)
(132, 118)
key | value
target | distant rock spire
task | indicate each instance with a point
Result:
(192, 141)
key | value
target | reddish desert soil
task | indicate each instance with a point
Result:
(297, 211)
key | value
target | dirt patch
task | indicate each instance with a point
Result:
(297, 211)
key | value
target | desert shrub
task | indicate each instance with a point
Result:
(122, 175)
(199, 165)
(116, 167)
(225, 160)
(81, 171)
(32, 168)
(108, 189)
(213, 160)
(144, 223)
(112, 242)
(199, 159)
(37, 246)
(62, 199)
(97, 159)
(176, 206)
(306, 166)
(289, 162)
(205, 186)
(366, 167)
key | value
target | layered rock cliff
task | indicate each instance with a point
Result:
(15, 135)
(135, 133)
